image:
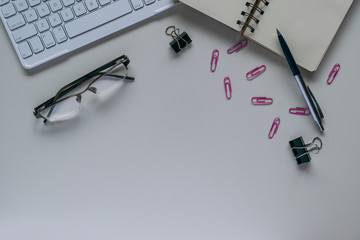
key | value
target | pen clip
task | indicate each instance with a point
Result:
(318, 109)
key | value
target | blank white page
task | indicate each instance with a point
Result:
(308, 27)
(225, 11)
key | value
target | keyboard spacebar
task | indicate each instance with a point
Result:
(97, 18)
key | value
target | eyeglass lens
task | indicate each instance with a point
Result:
(68, 105)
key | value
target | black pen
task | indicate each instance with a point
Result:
(305, 90)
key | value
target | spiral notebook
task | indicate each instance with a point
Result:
(309, 25)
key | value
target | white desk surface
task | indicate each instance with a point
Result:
(168, 157)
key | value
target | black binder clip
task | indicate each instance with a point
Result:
(301, 150)
(179, 41)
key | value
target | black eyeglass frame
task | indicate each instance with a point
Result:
(93, 76)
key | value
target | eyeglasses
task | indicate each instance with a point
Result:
(66, 102)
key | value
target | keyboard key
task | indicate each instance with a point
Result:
(34, 2)
(24, 32)
(21, 5)
(79, 9)
(55, 20)
(97, 18)
(67, 14)
(30, 15)
(48, 39)
(137, 4)
(55, 5)
(59, 34)
(25, 50)
(104, 2)
(3, 2)
(36, 44)
(68, 2)
(15, 22)
(43, 10)
(42, 25)
(8, 10)
(148, 2)
(91, 4)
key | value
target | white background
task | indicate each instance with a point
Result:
(168, 157)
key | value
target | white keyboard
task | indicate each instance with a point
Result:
(41, 30)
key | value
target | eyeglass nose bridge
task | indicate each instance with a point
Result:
(78, 98)
(93, 89)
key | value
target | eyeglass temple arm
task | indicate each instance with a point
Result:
(78, 82)
(121, 76)
(69, 87)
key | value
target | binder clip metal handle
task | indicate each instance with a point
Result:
(179, 41)
(301, 150)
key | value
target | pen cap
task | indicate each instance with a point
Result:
(289, 57)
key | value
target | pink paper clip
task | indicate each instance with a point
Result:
(255, 72)
(227, 85)
(274, 127)
(333, 73)
(261, 100)
(299, 111)
(237, 47)
(214, 60)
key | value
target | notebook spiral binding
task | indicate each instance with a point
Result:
(255, 7)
